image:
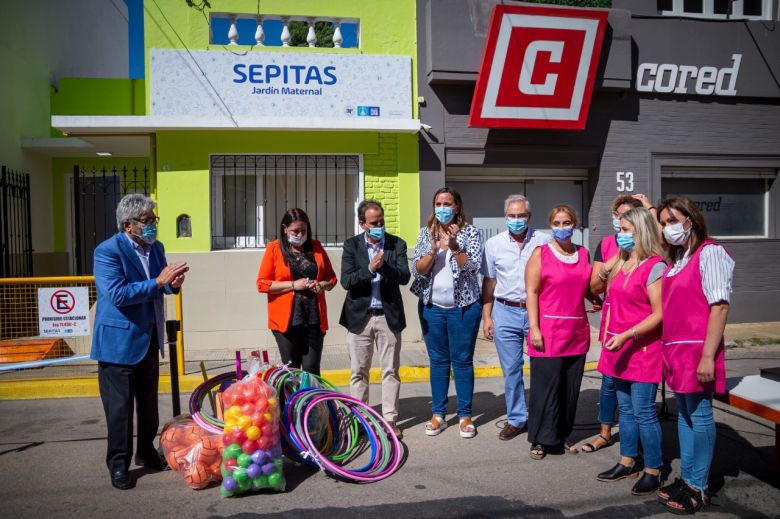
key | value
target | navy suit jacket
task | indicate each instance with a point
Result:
(129, 306)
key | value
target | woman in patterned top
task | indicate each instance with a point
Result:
(295, 273)
(446, 263)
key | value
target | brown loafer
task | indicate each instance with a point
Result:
(510, 431)
(396, 430)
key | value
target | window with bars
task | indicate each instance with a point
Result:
(250, 193)
(723, 9)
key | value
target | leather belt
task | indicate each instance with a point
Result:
(519, 304)
(376, 311)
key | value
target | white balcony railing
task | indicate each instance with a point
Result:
(275, 30)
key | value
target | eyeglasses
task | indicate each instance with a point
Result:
(146, 221)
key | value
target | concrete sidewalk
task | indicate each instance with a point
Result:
(81, 381)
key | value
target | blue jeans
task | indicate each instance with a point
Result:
(510, 327)
(696, 429)
(450, 335)
(607, 401)
(639, 421)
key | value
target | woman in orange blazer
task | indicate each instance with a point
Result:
(295, 273)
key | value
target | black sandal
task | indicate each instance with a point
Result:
(589, 447)
(666, 492)
(689, 499)
(538, 451)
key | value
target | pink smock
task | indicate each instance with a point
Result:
(562, 318)
(638, 360)
(609, 249)
(686, 314)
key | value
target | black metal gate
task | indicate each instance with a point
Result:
(96, 194)
(15, 224)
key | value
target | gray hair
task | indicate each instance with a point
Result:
(133, 206)
(517, 198)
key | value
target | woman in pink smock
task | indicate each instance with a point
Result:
(557, 283)
(605, 251)
(632, 347)
(695, 293)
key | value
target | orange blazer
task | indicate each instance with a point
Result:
(273, 268)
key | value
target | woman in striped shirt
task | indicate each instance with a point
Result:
(695, 295)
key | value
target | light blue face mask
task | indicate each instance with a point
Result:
(444, 214)
(516, 225)
(376, 233)
(625, 241)
(149, 233)
(616, 224)
(563, 234)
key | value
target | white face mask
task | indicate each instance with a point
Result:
(616, 224)
(296, 240)
(676, 234)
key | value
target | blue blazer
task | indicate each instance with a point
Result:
(129, 305)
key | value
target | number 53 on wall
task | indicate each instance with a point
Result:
(625, 181)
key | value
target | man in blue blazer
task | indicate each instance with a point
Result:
(131, 277)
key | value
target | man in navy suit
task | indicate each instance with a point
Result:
(131, 277)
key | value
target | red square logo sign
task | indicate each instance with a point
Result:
(538, 68)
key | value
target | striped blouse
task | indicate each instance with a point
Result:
(717, 272)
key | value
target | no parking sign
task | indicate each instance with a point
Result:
(63, 312)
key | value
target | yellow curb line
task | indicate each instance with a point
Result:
(80, 387)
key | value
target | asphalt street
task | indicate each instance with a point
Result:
(52, 452)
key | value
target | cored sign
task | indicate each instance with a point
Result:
(538, 68)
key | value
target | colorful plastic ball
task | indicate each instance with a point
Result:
(240, 437)
(268, 417)
(248, 408)
(267, 468)
(257, 419)
(275, 480)
(228, 398)
(225, 492)
(249, 446)
(244, 422)
(225, 472)
(230, 464)
(229, 484)
(239, 475)
(260, 482)
(232, 412)
(244, 460)
(266, 429)
(263, 442)
(253, 471)
(233, 450)
(253, 432)
(243, 486)
(259, 456)
(261, 405)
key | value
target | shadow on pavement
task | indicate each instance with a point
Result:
(478, 507)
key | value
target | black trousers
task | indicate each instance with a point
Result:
(552, 404)
(301, 346)
(122, 386)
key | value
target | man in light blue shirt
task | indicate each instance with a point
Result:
(504, 316)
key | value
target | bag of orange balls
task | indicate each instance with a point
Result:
(252, 454)
(192, 452)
